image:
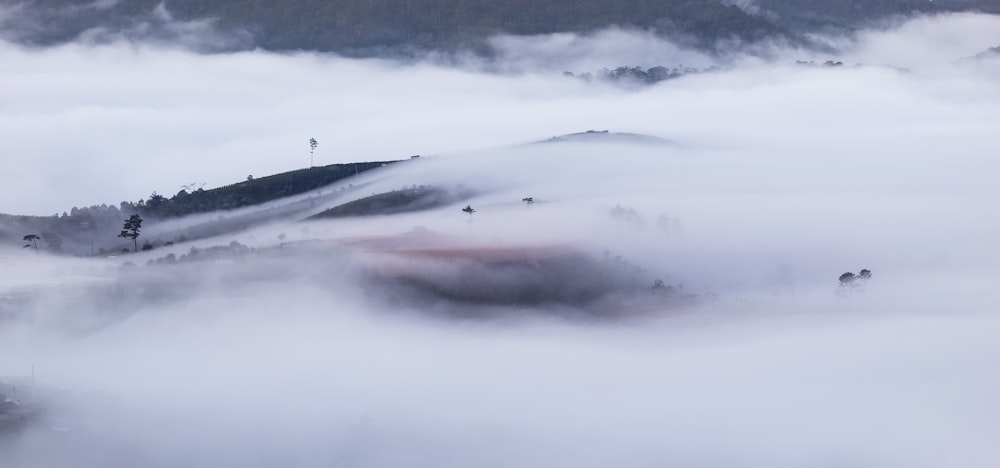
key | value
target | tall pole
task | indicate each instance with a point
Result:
(312, 149)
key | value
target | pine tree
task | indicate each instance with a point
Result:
(33, 238)
(130, 230)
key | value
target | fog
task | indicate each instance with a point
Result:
(92, 124)
(402, 340)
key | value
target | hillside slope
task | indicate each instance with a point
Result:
(380, 26)
(87, 230)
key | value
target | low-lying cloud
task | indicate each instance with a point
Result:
(98, 124)
(313, 348)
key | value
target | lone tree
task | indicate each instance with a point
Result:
(130, 230)
(33, 238)
(312, 148)
(847, 279)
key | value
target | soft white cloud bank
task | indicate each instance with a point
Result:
(96, 124)
(297, 374)
(780, 178)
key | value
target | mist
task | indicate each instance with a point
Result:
(402, 339)
(110, 122)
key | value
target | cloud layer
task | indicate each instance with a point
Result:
(100, 124)
(776, 179)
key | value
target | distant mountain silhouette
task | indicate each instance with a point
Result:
(375, 27)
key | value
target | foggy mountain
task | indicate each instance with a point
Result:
(231, 208)
(406, 27)
(777, 255)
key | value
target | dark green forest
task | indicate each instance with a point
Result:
(373, 27)
(93, 229)
(398, 201)
(247, 193)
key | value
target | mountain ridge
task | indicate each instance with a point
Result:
(93, 228)
(381, 27)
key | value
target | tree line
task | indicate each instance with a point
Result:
(373, 27)
(90, 230)
(639, 75)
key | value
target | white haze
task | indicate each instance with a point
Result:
(783, 177)
(86, 125)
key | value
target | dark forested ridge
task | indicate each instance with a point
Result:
(398, 201)
(377, 26)
(250, 192)
(93, 229)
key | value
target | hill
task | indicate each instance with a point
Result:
(250, 192)
(398, 201)
(94, 229)
(372, 27)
